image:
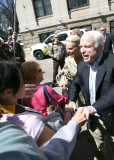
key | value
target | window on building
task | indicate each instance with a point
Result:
(112, 27)
(77, 3)
(42, 7)
(44, 36)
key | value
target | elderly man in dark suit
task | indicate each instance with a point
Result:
(95, 78)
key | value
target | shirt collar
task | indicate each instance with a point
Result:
(95, 65)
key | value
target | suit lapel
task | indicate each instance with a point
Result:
(99, 77)
(101, 72)
(86, 81)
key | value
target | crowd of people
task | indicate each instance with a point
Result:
(86, 78)
(9, 52)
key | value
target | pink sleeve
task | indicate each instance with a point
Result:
(57, 98)
(37, 102)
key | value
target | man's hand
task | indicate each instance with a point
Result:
(58, 58)
(88, 110)
(58, 77)
(9, 39)
(29, 89)
(80, 117)
(72, 105)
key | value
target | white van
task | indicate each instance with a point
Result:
(41, 49)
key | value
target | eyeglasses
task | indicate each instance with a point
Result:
(40, 70)
(56, 37)
(102, 29)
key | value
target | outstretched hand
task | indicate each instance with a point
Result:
(72, 105)
(88, 110)
(80, 117)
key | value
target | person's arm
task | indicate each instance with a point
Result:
(45, 136)
(16, 144)
(88, 110)
(105, 104)
(57, 98)
(74, 89)
(34, 126)
(64, 91)
(58, 77)
(61, 73)
(73, 92)
(9, 40)
(68, 114)
(51, 54)
(62, 143)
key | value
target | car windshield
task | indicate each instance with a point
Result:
(50, 39)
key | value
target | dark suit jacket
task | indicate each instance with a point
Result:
(109, 42)
(104, 89)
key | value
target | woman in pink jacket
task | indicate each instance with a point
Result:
(33, 75)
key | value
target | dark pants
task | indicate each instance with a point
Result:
(56, 65)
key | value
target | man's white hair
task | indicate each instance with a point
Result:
(98, 37)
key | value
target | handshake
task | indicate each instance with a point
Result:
(82, 114)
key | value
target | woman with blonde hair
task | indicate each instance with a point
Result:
(33, 75)
(69, 70)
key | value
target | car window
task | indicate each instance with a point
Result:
(50, 39)
(19, 41)
(62, 37)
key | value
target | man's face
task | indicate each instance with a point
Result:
(103, 30)
(56, 38)
(88, 50)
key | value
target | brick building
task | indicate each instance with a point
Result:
(39, 18)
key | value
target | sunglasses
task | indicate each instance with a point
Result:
(56, 37)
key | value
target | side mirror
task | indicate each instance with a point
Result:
(46, 42)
